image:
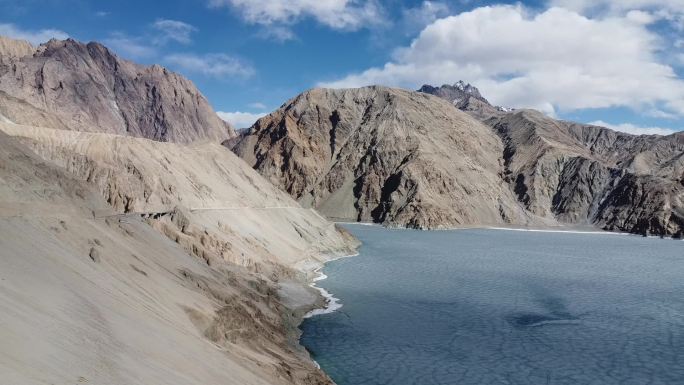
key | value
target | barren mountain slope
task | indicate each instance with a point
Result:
(90, 295)
(384, 155)
(587, 174)
(85, 87)
(202, 191)
(580, 173)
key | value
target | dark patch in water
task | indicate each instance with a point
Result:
(556, 314)
(523, 320)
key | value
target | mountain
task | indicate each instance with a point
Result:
(412, 159)
(122, 257)
(129, 260)
(465, 97)
(384, 155)
(456, 94)
(85, 87)
(581, 173)
(586, 174)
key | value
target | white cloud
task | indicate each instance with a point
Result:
(618, 6)
(671, 11)
(34, 37)
(149, 44)
(416, 18)
(240, 119)
(257, 106)
(635, 130)
(337, 14)
(173, 30)
(277, 32)
(129, 47)
(555, 59)
(215, 65)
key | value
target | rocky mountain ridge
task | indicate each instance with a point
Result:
(85, 87)
(558, 173)
(384, 155)
(465, 97)
(134, 247)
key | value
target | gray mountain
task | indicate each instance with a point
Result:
(465, 97)
(454, 93)
(384, 155)
(85, 87)
(410, 159)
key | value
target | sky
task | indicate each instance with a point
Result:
(615, 63)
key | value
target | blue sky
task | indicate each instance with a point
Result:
(618, 63)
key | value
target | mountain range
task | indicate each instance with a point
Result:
(137, 248)
(445, 157)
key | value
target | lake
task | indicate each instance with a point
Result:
(482, 306)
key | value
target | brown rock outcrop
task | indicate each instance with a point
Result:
(85, 87)
(584, 174)
(404, 158)
(384, 155)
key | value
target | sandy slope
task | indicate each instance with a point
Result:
(90, 294)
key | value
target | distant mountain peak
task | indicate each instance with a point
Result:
(464, 96)
(455, 93)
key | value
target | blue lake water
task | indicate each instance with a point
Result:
(503, 307)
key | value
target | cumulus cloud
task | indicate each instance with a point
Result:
(612, 6)
(670, 11)
(337, 14)
(130, 47)
(173, 30)
(416, 18)
(34, 37)
(257, 105)
(240, 119)
(635, 130)
(551, 60)
(148, 45)
(215, 65)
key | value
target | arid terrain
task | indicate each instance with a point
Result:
(128, 260)
(405, 158)
(136, 247)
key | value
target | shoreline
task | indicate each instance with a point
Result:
(587, 229)
(332, 303)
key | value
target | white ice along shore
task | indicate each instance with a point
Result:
(332, 303)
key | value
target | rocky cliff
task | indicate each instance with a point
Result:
(409, 159)
(579, 173)
(384, 155)
(85, 87)
(586, 174)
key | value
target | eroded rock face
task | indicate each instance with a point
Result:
(404, 158)
(85, 87)
(587, 174)
(384, 155)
